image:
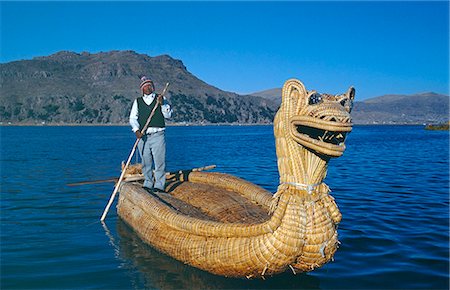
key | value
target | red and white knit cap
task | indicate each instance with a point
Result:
(144, 81)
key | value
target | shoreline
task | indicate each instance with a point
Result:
(127, 125)
(10, 124)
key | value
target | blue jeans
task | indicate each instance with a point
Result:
(152, 148)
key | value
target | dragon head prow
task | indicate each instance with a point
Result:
(318, 122)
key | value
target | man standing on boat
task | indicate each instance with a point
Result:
(152, 143)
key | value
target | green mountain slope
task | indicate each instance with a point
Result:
(69, 87)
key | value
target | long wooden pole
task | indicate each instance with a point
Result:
(112, 179)
(116, 188)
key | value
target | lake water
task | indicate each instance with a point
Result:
(392, 186)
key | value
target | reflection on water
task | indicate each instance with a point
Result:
(162, 272)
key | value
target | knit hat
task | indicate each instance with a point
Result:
(144, 81)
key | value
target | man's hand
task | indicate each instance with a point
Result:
(138, 134)
(160, 99)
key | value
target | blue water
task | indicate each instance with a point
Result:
(392, 186)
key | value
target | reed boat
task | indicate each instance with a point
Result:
(231, 227)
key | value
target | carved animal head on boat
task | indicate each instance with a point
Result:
(318, 122)
(310, 125)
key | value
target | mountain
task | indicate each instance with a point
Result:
(404, 109)
(420, 108)
(69, 87)
(270, 94)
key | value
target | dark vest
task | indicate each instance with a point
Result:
(144, 111)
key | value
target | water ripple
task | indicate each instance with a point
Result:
(392, 192)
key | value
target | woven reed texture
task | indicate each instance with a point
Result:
(223, 204)
(220, 223)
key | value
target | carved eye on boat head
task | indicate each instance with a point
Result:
(315, 99)
(347, 104)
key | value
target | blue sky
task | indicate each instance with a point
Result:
(378, 47)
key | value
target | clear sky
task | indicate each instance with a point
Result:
(378, 47)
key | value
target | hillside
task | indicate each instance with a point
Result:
(270, 94)
(391, 109)
(409, 109)
(69, 87)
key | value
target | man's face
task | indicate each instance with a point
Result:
(147, 89)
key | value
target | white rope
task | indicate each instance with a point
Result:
(308, 187)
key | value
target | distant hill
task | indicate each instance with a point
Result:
(406, 109)
(270, 94)
(420, 108)
(69, 87)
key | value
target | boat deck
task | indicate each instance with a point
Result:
(208, 202)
